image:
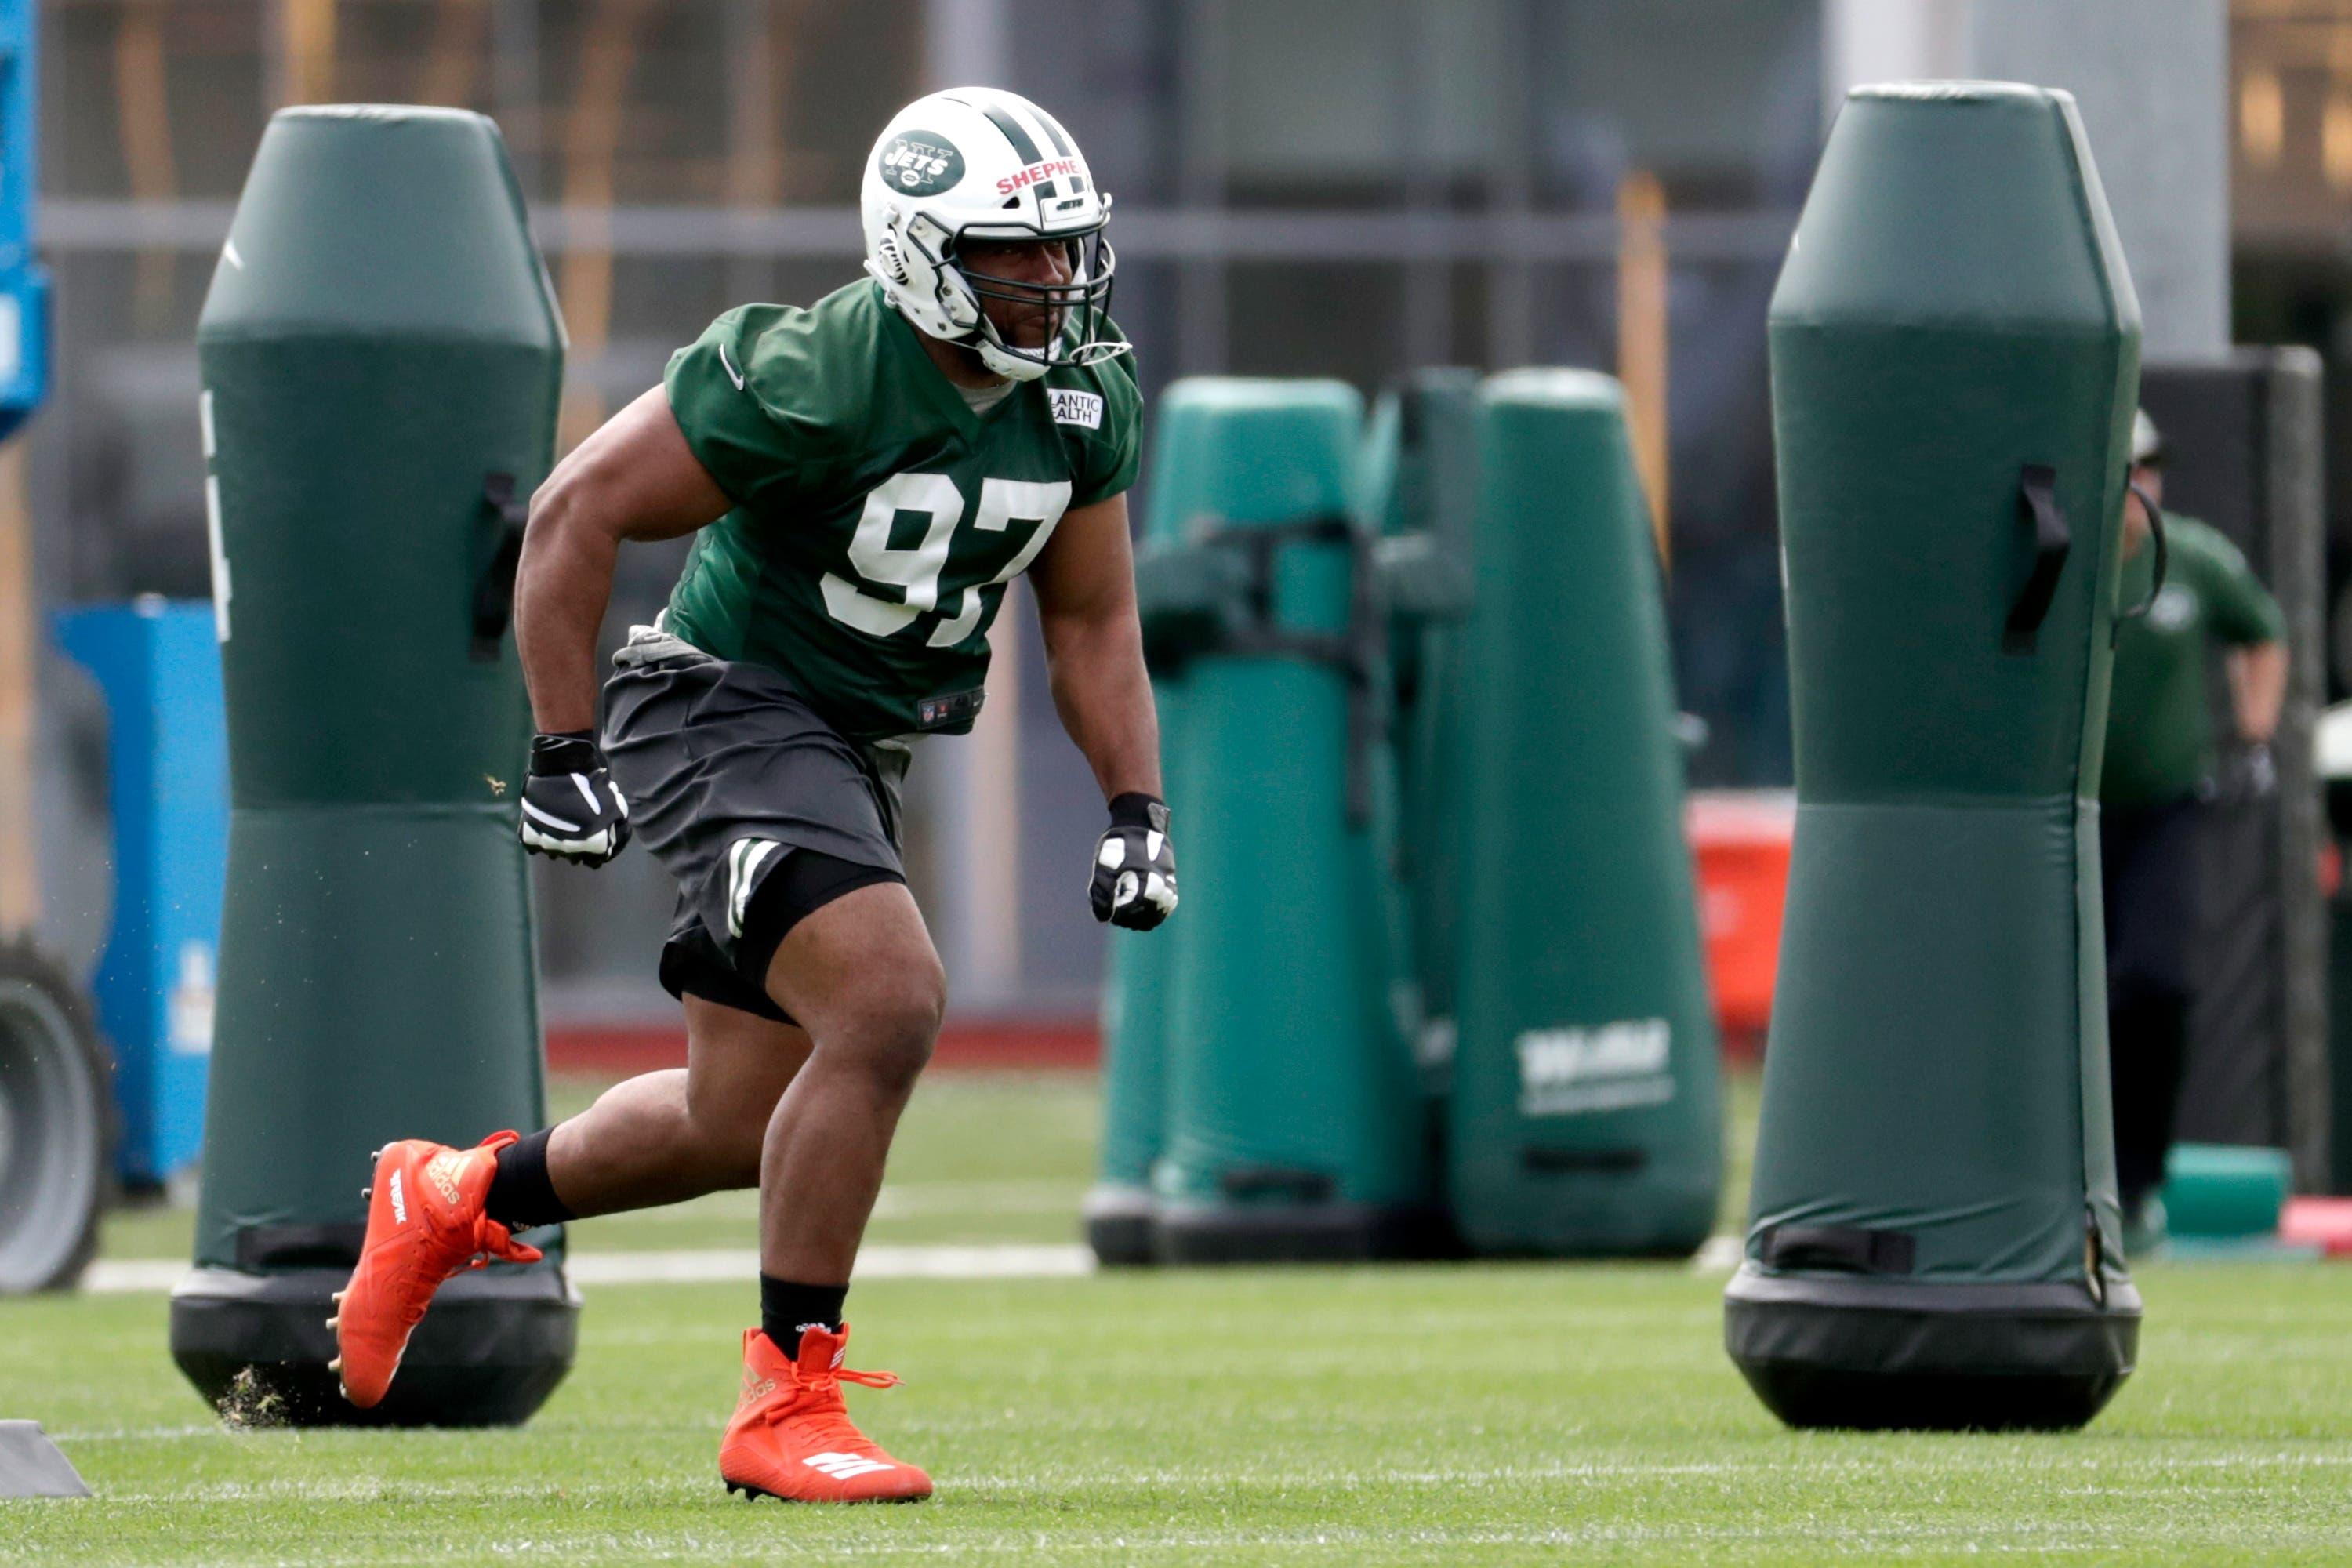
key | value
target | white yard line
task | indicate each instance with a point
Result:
(142, 1276)
(1719, 1255)
(717, 1266)
(1011, 1261)
(907, 1200)
(132, 1276)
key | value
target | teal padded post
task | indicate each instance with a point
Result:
(1185, 600)
(1294, 1127)
(381, 364)
(1421, 490)
(2224, 1192)
(1585, 1114)
(1933, 1239)
(1118, 1211)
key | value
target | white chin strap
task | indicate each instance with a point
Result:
(1022, 367)
(995, 355)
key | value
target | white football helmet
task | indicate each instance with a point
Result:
(978, 163)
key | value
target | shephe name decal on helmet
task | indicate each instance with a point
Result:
(920, 164)
(1052, 169)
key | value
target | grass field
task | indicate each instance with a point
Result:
(1493, 1414)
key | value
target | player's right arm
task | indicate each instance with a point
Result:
(633, 480)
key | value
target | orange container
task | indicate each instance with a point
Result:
(1739, 842)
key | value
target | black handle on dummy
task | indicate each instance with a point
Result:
(494, 589)
(2037, 497)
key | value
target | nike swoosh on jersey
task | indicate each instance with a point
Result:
(729, 365)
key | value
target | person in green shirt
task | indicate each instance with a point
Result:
(2160, 770)
(863, 478)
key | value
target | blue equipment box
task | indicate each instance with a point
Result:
(24, 286)
(160, 667)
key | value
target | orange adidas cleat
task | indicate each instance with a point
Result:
(425, 1224)
(792, 1437)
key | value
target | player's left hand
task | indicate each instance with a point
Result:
(1135, 868)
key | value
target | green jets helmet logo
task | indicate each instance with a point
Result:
(920, 164)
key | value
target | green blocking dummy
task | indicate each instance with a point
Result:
(381, 362)
(1294, 1121)
(1420, 484)
(1187, 597)
(1934, 1237)
(1584, 1115)
(1118, 1210)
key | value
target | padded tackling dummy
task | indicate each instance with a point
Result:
(1420, 483)
(1584, 1117)
(1933, 1239)
(1118, 1210)
(382, 361)
(1295, 1125)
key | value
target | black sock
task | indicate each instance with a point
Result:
(520, 1196)
(785, 1308)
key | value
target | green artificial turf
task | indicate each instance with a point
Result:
(1493, 1414)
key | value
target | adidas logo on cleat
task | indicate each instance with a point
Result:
(841, 1466)
(443, 1169)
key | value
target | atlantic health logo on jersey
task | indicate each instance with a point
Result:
(1072, 406)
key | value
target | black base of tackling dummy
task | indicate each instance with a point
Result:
(495, 1345)
(1832, 1353)
(1328, 1232)
(1118, 1224)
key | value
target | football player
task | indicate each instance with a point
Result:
(863, 478)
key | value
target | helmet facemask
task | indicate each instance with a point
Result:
(1077, 311)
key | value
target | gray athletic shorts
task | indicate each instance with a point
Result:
(759, 808)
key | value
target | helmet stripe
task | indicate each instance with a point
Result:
(1024, 148)
(1053, 128)
(1061, 144)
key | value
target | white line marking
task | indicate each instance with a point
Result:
(130, 1277)
(1719, 1255)
(880, 1261)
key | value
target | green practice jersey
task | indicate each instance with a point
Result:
(2160, 735)
(877, 519)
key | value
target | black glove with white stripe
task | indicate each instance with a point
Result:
(1134, 868)
(571, 810)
